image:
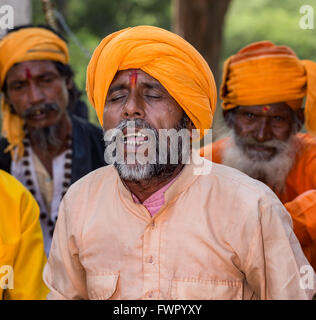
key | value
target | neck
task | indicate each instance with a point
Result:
(143, 189)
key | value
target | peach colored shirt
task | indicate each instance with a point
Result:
(217, 236)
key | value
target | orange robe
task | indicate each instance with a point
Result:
(299, 197)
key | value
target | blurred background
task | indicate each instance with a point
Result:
(217, 28)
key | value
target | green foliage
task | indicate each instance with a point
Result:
(274, 20)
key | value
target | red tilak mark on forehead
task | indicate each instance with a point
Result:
(133, 78)
(28, 73)
(266, 108)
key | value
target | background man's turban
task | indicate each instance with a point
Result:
(263, 73)
(163, 55)
(24, 45)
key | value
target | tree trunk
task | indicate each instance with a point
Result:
(201, 23)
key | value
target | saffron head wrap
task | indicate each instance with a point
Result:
(263, 73)
(24, 45)
(163, 55)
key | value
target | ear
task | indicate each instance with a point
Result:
(228, 116)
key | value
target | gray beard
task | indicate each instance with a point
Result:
(46, 137)
(273, 172)
(137, 172)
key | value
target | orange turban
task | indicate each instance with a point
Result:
(262, 73)
(163, 55)
(24, 45)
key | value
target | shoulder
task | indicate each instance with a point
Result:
(97, 180)
(238, 192)
(9, 184)
(306, 150)
(242, 205)
(14, 196)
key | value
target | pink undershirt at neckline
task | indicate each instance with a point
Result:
(156, 200)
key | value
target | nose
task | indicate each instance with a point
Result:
(134, 108)
(263, 131)
(35, 94)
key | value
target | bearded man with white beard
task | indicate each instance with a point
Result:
(262, 92)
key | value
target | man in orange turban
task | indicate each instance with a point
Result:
(262, 93)
(152, 228)
(45, 145)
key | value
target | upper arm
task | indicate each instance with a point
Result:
(63, 273)
(275, 257)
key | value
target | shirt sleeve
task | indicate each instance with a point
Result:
(276, 267)
(303, 213)
(30, 256)
(63, 273)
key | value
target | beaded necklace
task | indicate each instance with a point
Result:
(26, 170)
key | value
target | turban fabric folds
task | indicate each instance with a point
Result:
(163, 55)
(25, 44)
(263, 73)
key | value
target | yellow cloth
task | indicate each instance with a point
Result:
(163, 55)
(264, 73)
(217, 236)
(25, 45)
(21, 241)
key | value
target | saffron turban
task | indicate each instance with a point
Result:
(163, 55)
(24, 45)
(263, 73)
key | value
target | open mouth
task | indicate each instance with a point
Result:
(37, 114)
(135, 139)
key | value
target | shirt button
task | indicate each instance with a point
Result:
(150, 294)
(150, 260)
(153, 225)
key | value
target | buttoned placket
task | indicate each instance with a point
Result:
(151, 246)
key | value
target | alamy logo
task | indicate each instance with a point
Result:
(6, 17)
(307, 20)
(6, 277)
(307, 278)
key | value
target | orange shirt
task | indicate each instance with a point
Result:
(301, 178)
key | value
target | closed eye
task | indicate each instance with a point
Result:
(152, 96)
(117, 98)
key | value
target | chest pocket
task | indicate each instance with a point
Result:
(102, 286)
(206, 290)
